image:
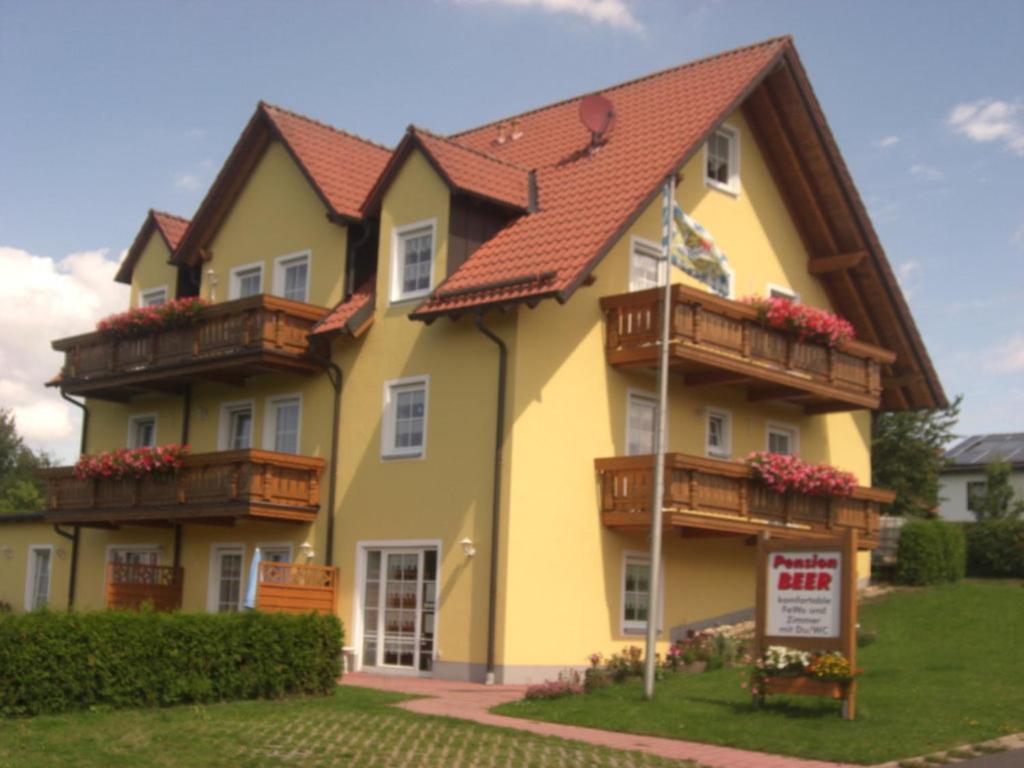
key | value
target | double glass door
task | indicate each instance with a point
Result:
(400, 609)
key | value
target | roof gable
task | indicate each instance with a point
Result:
(170, 228)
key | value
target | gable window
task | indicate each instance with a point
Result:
(236, 426)
(646, 265)
(37, 585)
(404, 433)
(142, 431)
(641, 416)
(153, 297)
(719, 433)
(783, 438)
(291, 276)
(722, 169)
(284, 414)
(246, 281)
(412, 260)
(225, 589)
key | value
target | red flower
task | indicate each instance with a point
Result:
(789, 474)
(132, 463)
(142, 321)
(809, 323)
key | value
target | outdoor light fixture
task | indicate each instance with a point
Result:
(61, 553)
(307, 550)
(211, 278)
(467, 547)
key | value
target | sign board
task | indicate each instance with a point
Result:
(804, 594)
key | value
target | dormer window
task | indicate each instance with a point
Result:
(291, 276)
(412, 260)
(246, 280)
(722, 168)
(153, 297)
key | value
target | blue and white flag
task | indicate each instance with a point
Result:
(691, 247)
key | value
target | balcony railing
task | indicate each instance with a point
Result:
(129, 585)
(723, 496)
(216, 487)
(232, 339)
(296, 588)
(720, 341)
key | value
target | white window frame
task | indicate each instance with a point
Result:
(162, 289)
(109, 557)
(724, 452)
(792, 430)
(265, 545)
(388, 450)
(398, 234)
(133, 420)
(224, 427)
(235, 281)
(213, 580)
(636, 247)
(30, 573)
(632, 628)
(270, 421)
(783, 291)
(638, 394)
(733, 185)
(280, 265)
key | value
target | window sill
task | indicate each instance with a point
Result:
(402, 456)
(732, 190)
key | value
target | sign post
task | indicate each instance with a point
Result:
(807, 600)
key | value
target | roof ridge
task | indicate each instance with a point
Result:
(155, 212)
(633, 81)
(328, 126)
(474, 150)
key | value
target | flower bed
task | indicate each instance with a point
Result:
(143, 321)
(787, 670)
(132, 463)
(809, 323)
(790, 474)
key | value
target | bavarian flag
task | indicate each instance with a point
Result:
(693, 250)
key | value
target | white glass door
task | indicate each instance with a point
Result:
(399, 609)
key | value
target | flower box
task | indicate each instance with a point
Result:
(808, 323)
(786, 474)
(141, 322)
(803, 685)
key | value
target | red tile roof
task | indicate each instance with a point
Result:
(352, 315)
(587, 199)
(171, 229)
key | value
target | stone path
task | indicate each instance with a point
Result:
(471, 701)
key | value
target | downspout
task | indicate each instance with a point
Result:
(335, 375)
(75, 535)
(499, 447)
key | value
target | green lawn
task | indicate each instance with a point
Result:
(947, 669)
(355, 727)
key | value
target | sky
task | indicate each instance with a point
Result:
(111, 108)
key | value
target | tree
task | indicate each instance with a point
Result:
(908, 454)
(996, 502)
(20, 488)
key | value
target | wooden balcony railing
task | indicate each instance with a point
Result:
(129, 585)
(718, 495)
(241, 338)
(296, 588)
(216, 487)
(720, 341)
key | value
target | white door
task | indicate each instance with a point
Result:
(400, 609)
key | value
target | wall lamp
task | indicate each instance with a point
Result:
(467, 547)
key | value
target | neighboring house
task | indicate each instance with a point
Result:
(964, 475)
(377, 312)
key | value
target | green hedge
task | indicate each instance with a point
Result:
(51, 662)
(930, 552)
(995, 549)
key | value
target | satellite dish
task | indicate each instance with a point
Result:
(597, 114)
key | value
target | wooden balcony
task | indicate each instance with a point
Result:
(211, 487)
(296, 588)
(716, 341)
(232, 341)
(722, 497)
(130, 585)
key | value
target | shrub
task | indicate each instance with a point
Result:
(52, 662)
(930, 552)
(995, 549)
(567, 684)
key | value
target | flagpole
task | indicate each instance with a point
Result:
(660, 442)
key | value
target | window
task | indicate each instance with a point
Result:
(646, 264)
(37, 584)
(226, 578)
(284, 414)
(641, 417)
(976, 490)
(778, 292)
(636, 593)
(412, 261)
(722, 170)
(719, 433)
(405, 418)
(783, 438)
(236, 426)
(134, 555)
(153, 296)
(291, 276)
(246, 280)
(142, 431)
(276, 553)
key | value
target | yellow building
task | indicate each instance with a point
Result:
(431, 371)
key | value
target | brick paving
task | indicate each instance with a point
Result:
(472, 701)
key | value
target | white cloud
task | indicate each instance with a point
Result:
(990, 120)
(614, 13)
(1007, 357)
(887, 141)
(190, 182)
(908, 273)
(43, 299)
(926, 172)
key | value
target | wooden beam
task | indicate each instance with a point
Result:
(901, 380)
(714, 377)
(774, 393)
(824, 265)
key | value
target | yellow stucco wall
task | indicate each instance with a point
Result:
(15, 541)
(152, 270)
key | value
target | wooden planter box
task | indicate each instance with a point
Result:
(806, 686)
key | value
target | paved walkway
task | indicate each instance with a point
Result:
(471, 701)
